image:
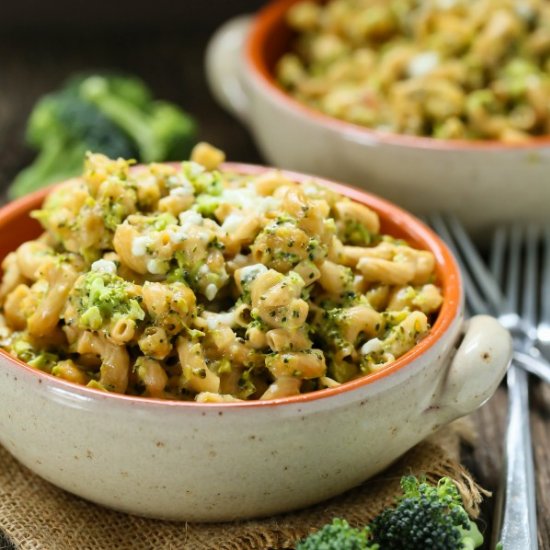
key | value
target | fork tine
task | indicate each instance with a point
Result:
(507, 315)
(481, 274)
(543, 328)
(545, 286)
(513, 269)
(496, 260)
(530, 290)
(476, 302)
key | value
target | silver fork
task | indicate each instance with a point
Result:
(543, 328)
(515, 521)
(519, 467)
(483, 293)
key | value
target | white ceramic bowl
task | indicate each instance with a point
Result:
(483, 182)
(210, 462)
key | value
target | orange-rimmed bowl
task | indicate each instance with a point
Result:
(217, 462)
(483, 182)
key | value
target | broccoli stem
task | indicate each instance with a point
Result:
(472, 538)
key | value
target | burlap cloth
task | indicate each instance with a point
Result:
(36, 515)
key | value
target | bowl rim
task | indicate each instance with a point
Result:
(263, 24)
(413, 227)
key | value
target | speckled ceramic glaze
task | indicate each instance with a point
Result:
(484, 182)
(209, 462)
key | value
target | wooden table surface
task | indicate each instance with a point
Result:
(171, 63)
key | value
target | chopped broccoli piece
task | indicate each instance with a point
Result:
(161, 221)
(209, 183)
(23, 349)
(424, 517)
(246, 384)
(44, 361)
(92, 318)
(206, 205)
(356, 233)
(39, 359)
(104, 296)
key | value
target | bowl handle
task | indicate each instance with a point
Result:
(476, 369)
(223, 61)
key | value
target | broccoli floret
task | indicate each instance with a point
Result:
(129, 88)
(92, 127)
(426, 517)
(338, 535)
(109, 114)
(174, 131)
(161, 131)
(63, 127)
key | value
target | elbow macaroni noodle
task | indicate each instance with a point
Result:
(242, 287)
(452, 69)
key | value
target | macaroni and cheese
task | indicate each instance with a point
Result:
(191, 282)
(468, 69)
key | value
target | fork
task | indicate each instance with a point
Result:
(515, 522)
(543, 327)
(519, 467)
(530, 338)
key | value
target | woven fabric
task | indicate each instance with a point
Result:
(35, 515)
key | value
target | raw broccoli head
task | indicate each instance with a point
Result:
(65, 117)
(86, 124)
(338, 535)
(174, 131)
(129, 88)
(426, 517)
(160, 130)
(62, 127)
(108, 113)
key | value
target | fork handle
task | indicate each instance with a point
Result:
(515, 520)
